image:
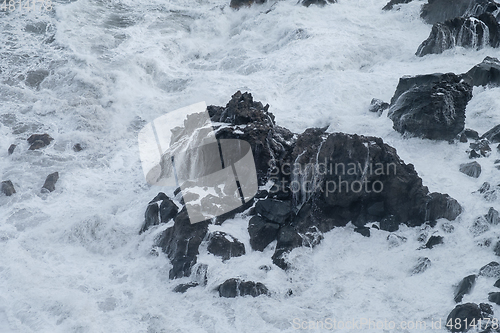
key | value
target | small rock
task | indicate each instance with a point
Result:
(494, 297)
(448, 227)
(8, 188)
(493, 135)
(235, 287)
(486, 73)
(236, 4)
(396, 240)
(38, 141)
(471, 134)
(465, 286)
(497, 284)
(182, 288)
(34, 78)
(492, 217)
(479, 149)
(365, 231)
(276, 211)
(462, 316)
(11, 149)
(224, 245)
(472, 169)
(433, 241)
(50, 182)
(480, 226)
(391, 3)
(378, 106)
(490, 270)
(496, 249)
(422, 265)
(77, 147)
(321, 3)
(262, 232)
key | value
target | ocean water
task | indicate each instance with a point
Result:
(72, 260)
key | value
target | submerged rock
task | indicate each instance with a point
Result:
(35, 78)
(422, 265)
(236, 4)
(430, 106)
(38, 141)
(471, 32)
(11, 149)
(378, 106)
(307, 3)
(436, 11)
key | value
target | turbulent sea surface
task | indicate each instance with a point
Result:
(72, 260)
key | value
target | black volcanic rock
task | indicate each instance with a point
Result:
(151, 217)
(235, 287)
(430, 106)
(486, 73)
(7, 188)
(181, 243)
(38, 141)
(224, 245)
(262, 232)
(271, 145)
(433, 241)
(464, 287)
(50, 182)
(493, 135)
(490, 270)
(390, 5)
(307, 3)
(462, 316)
(494, 297)
(276, 211)
(469, 32)
(436, 11)
(472, 169)
(236, 4)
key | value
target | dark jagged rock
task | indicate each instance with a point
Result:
(389, 189)
(236, 4)
(492, 217)
(182, 288)
(436, 11)
(497, 283)
(464, 287)
(472, 169)
(168, 210)
(151, 217)
(493, 135)
(496, 249)
(8, 188)
(35, 78)
(307, 3)
(462, 316)
(480, 226)
(271, 145)
(224, 245)
(486, 73)
(470, 32)
(235, 287)
(38, 141)
(11, 149)
(433, 241)
(471, 134)
(274, 210)
(494, 297)
(490, 270)
(262, 233)
(50, 182)
(365, 231)
(390, 5)
(430, 106)
(422, 265)
(486, 310)
(378, 106)
(181, 243)
(481, 148)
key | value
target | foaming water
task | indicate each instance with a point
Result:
(72, 260)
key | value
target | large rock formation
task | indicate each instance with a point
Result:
(436, 11)
(430, 106)
(313, 182)
(471, 32)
